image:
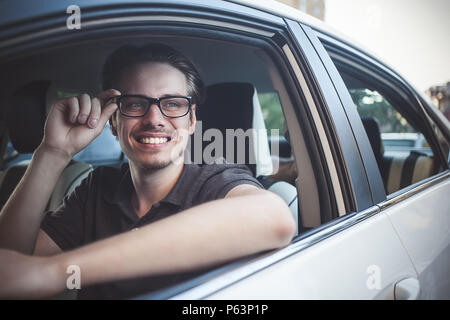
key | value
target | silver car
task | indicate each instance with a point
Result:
(373, 219)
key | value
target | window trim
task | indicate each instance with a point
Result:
(321, 131)
(413, 189)
(351, 170)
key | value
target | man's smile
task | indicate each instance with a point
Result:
(152, 138)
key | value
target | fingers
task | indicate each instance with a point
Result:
(81, 110)
(96, 110)
(74, 109)
(85, 108)
(89, 111)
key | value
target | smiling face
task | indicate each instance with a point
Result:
(153, 141)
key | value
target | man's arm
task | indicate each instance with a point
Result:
(246, 221)
(21, 216)
(68, 129)
(45, 246)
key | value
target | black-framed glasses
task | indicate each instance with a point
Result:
(132, 105)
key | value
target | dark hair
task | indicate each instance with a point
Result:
(130, 55)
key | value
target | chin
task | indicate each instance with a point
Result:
(157, 164)
(159, 161)
(153, 164)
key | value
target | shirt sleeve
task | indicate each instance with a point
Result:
(221, 178)
(65, 225)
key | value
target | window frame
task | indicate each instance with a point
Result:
(356, 188)
(395, 83)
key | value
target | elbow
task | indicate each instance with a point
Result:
(286, 229)
(284, 225)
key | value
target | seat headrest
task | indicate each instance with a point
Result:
(236, 106)
(227, 106)
(373, 132)
(26, 116)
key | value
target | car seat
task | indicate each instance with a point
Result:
(236, 106)
(397, 171)
(25, 120)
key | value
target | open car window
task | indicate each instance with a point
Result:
(241, 76)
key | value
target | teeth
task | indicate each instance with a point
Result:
(153, 140)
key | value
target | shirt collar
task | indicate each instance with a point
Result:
(125, 187)
(177, 194)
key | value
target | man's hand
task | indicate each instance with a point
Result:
(28, 277)
(71, 125)
(74, 122)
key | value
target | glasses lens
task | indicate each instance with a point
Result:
(174, 107)
(133, 106)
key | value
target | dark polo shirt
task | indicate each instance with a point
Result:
(100, 207)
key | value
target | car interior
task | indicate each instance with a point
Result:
(398, 169)
(234, 75)
(25, 121)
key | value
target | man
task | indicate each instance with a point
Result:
(119, 226)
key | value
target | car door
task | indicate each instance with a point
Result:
(355, 255)
(418, 209)
(348, 247)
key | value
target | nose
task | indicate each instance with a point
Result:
(153, 116)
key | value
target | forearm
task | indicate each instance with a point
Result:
(202, 236)
(21, 216)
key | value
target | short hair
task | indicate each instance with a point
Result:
(130, 55)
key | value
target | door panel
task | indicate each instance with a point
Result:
(423, 225)
(364, 261)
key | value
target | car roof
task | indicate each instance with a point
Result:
(32, 11)
(10, 16)
(286, 11)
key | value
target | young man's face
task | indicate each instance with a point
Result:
(135, 134)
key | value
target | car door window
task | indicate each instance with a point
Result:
(403, 152)
(272, 112)
(398, 137)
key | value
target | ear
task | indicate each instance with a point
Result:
(192, 120)
(113, 124)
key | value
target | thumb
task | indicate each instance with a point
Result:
(108, 105)
(107, 112)
(107, 95)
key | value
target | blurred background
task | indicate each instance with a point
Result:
(410, 35)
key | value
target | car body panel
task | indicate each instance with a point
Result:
(328, 270)
(362, 257)
(422, 222)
